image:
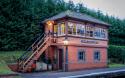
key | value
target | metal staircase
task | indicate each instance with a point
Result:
(33, 52)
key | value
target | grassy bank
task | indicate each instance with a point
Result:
(115, 65)
(4, 69)
(8, 57)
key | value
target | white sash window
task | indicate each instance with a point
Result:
(61, 29)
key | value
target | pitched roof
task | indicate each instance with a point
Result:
(76, 15)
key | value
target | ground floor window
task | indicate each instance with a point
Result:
(81, 56)
(97, 56)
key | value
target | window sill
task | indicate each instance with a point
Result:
(77, 36)
(96, 61)
(81, 61)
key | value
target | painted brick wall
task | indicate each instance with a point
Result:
(75, 64)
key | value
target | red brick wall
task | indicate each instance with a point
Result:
(74, 64)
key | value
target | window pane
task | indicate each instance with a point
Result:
(62, 28)
(89, 31)
(103, 33)
(97, 33)
(80, 30)
(70, 28)
(100, 33)
(97, 56)
(59, 29)
(55, 28)
(74, 29)
(81, 55)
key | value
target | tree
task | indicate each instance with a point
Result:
(21, 21)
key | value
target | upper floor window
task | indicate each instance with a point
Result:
(97, 55)
(80, 30)
(55, 28)
(76, 29)
(61, 28)
(100, 33)
(81, 55)
(97, 33)
(71, 28)
(103, 33)
(89, 31)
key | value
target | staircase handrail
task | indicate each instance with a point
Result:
(36, 45)
(27, 51)
(35, 51)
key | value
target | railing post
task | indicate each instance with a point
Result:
(36, 46)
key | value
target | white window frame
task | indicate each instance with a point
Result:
(99, 57)
(80, 26)
(60, 31)
(84, 55)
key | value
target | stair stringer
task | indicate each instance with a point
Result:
(37, 54)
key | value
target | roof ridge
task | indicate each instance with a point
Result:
(77, 15)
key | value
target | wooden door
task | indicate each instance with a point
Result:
(60, 59)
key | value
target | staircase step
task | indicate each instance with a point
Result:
(37, 50)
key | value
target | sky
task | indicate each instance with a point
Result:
(111, 7)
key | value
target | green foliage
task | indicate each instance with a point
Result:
(20, 21)
(116, 54)
(16, 25)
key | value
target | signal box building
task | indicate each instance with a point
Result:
(73, 41)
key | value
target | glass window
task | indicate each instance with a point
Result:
(61, 29)
(97, 56)
(103, 33)
(97, 32)
(100, 33)
(89, 31)
(55, 29)
(81, 55)
(80, 30)
(74, 29)
(71, 28)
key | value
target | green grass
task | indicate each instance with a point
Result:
(8, 57)
(4, 69)
(115, 65)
